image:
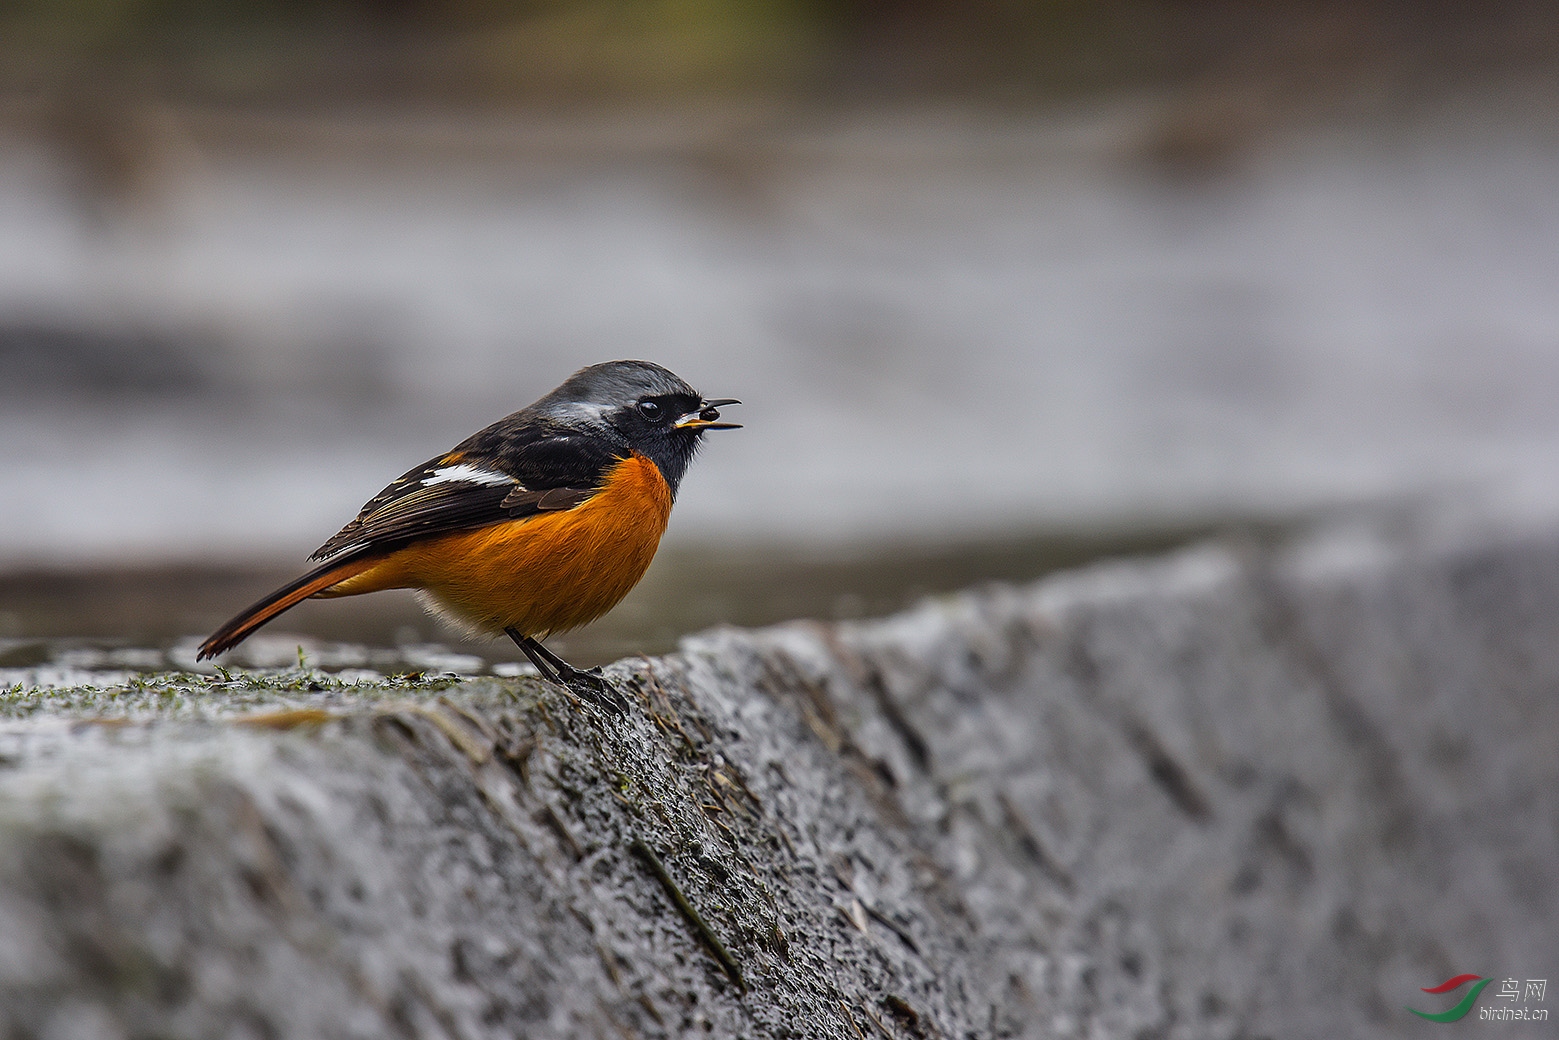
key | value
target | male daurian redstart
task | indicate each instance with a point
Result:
(538, 524)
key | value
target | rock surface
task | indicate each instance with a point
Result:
(1236, 792)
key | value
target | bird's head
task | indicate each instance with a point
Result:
(647, 407)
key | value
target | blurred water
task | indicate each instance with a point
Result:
(942, 325)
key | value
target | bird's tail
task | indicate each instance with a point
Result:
(290, 595)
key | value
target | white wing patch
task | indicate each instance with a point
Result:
(465, 473)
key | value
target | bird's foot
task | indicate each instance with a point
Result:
(588, 684)
(591, 685)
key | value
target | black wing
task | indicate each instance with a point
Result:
(503, 473)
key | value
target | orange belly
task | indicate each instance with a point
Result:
(546, 573)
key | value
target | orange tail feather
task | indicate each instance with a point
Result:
(284, 598)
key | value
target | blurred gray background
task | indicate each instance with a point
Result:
(1002, 286)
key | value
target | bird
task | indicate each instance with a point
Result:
(535, 525)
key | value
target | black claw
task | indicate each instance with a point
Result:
(586, 683)
(592, 687)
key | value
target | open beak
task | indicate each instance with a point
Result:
(707, 417)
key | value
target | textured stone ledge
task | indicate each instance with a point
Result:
(1230, 793)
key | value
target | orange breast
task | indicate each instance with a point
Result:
(543, 574)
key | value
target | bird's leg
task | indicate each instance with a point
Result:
(561, 667)
(588, 684)
(530, 647)
(554, 669)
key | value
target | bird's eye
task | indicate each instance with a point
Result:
(650, 410)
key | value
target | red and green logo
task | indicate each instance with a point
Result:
(1460, 1011)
